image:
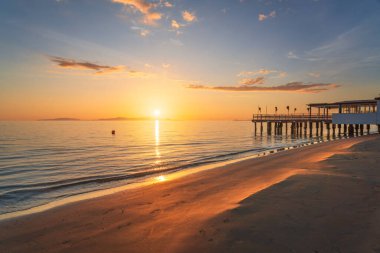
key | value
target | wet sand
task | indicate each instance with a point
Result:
(319, 198)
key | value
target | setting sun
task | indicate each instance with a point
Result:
(156, 113)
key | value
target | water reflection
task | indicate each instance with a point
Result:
(157, 138)
(160, 178)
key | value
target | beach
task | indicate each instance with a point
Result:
(319, 198)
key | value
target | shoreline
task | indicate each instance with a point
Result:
(150, 180)
(196, 212)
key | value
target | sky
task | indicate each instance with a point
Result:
(190, 59)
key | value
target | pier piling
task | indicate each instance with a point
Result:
(351, 130)
(321, 129)
(269, 128)
(348, 118)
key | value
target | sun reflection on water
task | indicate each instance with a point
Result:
(160, 178)
(157, 132)
(157, 138)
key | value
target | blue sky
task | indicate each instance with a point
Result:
(247, 52)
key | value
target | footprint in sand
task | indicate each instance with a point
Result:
(124, 225)
(226, 220)
(108, 211)
(156, 211)
(144, 203)
(202, 232)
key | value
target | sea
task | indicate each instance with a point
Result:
(46, 161)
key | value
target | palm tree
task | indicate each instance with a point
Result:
(295, 109)
(275, 109)
(287, 108)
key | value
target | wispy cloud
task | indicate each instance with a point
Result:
(294, 87)
(257, 72)
(150, 17)
(263, 16)
(189, 16)
(282, 74)
(144, 32)
(314, 74)
(167, 4)
(292, 55)
(264, 72)
(349, 50)
(141, 31)
(252, 81)
(96, 69)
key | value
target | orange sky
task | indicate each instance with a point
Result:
(217, 60)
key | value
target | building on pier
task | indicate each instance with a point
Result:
(351, 112)
(352, 116)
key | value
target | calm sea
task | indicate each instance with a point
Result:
(45, 161)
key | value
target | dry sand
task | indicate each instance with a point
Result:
(320, 198)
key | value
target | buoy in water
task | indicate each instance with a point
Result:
(113, 132)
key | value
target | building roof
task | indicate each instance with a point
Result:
(349, 102)
(323, 105)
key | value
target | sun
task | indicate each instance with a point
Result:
(156, 113)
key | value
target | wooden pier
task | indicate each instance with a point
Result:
(304, 124)
(350, 118)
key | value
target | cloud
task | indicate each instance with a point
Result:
(167, 4)
(295, 87)
(258, 72)
(354, 48)
(314, 74)
(165, 65)
(351, 50)
(292, 55)
(279, 74)
(282, 74)
(83, 65)
(263, 16)
(252, 81)
(189, 16)
(96, 68)
(175, 24)
(142, 31)
(150, 17)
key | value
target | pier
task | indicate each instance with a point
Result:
(296, 124)
(347, 117)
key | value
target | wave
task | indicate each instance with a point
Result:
(17, 191)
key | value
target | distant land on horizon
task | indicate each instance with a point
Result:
(60, 119)
(124, 118)
(101, 119)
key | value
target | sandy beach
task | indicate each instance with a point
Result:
(319, 198)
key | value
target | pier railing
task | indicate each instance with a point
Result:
(289, 117)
